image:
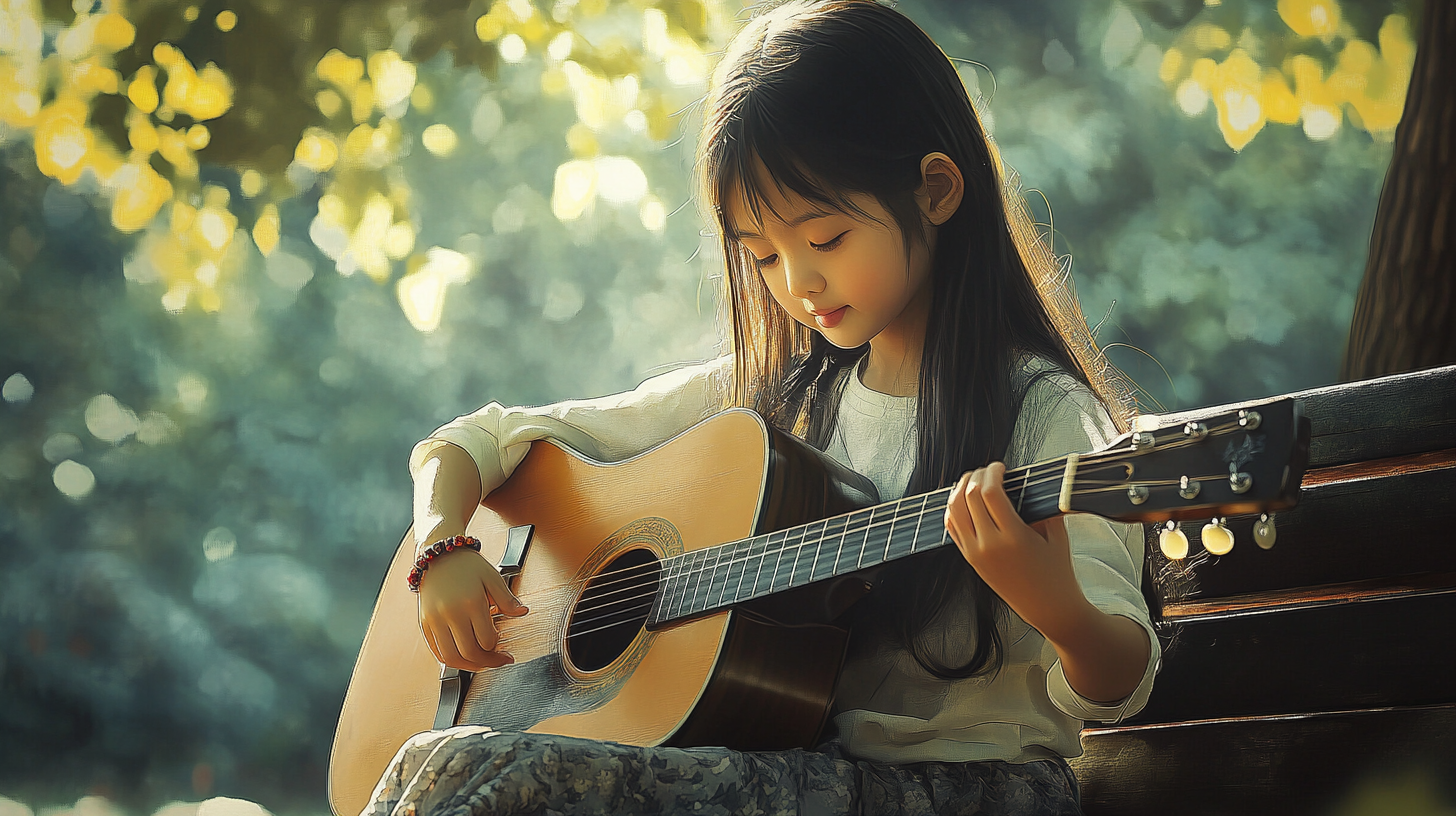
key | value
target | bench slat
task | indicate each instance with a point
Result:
(1278, 767)
(1374, 654)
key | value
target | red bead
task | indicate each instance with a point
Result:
(422, 564)
(459, 540)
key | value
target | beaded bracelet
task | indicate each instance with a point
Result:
(439, 548)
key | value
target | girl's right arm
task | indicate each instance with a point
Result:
(455, 601)
(464, 460)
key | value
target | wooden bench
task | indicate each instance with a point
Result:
(1320, 674)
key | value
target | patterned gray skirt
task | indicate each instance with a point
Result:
(474, 771)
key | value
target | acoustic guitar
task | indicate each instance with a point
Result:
(691, 595)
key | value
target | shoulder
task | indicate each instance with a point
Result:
(714, 375)
(1058, 415)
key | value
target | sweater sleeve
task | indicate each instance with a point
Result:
(608, 429)
(1061, 416)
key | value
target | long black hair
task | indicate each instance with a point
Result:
(837, 97)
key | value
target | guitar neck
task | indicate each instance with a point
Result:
(727, 574)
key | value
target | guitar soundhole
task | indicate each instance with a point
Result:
(612, 610)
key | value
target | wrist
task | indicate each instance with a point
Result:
(432, 554)
(439, 531)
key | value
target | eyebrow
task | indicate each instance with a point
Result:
(793, 222)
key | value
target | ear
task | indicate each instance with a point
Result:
(941, 188)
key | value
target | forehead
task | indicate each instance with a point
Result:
(747, 208)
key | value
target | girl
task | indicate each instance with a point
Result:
(887, 302)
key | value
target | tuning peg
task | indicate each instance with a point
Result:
(1217, 539)
(1173, 542)
(1264, 532)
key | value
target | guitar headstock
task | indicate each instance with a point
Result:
(1246, 460)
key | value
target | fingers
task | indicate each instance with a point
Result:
(500, 593)
(445, 650)
(490, 640)
(957, 518)
(466, 641)
(976, 503)
(997, 502)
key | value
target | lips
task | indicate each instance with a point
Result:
(829, 320)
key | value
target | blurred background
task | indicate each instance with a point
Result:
(252, 250)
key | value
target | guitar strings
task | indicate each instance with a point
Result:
(631, 575)
(1049, 472)
(851, 525)
(646, 598)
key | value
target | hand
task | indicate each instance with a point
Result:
(456, 595)
(1029, 567)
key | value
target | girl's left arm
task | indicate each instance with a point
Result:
(1076, 579)
(1103, 656)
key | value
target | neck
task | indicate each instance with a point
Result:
(893, 364)
(716, 577)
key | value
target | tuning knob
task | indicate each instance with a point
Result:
(1217, 539)
(1264, 532)
(1173, 542)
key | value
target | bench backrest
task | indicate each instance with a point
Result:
(1301, 676)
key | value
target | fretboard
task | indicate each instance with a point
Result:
(720, 576)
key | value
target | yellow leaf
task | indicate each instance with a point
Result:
(62, 139)
(140, 194)
(114, 32)
(143, 89)
(316, 150)
(340, 69)
(1280, 104)
(1311, 18)
(266, 230)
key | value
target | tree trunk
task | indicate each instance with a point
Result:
(1405, 313)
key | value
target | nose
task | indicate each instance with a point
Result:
(802, 279)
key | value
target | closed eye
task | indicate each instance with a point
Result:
(827, 246)
(831, 243)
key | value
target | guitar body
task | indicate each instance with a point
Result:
(586, 666)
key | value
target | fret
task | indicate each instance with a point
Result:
(871, 532)
(808, 554)
(890, 533)
(905, 544)
(688, 582)
(776, 550)
(789, 558)
(856, 535)
(737, 562)
(752, 557)
(714, 580)
(763, 576)
(919, 521)
(693, 590)
(663, 596)
(826, 552)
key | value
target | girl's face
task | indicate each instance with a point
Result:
(842, 275)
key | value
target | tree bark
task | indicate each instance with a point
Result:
(1405, 313)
